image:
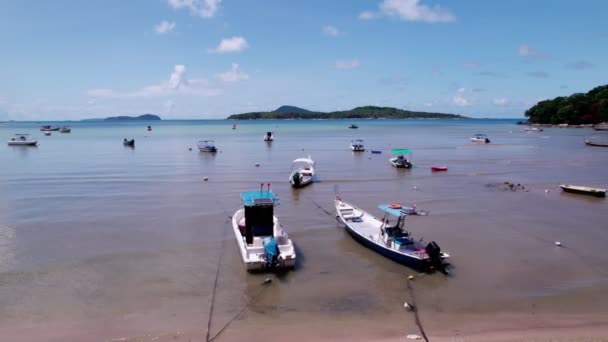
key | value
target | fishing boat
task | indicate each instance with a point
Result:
(584, 190)
(22, 140)
(357, 145)
(439, 168)
(263, 243)
(390, 239)
(269, 136)
(534, 129)
(480, 138)
(65, 129)
(353, 126)
(207, 146)
(403, 158)
(592, 143)
(302, 172)
(130, 143)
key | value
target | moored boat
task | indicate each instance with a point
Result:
(584, 190)
(403, 158)
(47, 128)
(302, 172)
(353, 126)
(65, 129)
(390, 239)
(595, 143)
(269, 136)
(130, 143)
(481, 138)
(22, 140)
(534, 129)
(47, 133)
(439, 168)
(262, 242)
(357, 145)
(206, 146)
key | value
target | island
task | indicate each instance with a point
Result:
(366, 112)
(577, 109)
(144, 117)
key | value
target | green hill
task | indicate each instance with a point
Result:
(292, 109)
(576, 109)
(367, 112)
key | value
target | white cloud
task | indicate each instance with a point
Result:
(164, 27)
(428, 104)
(347, 64)
(527, 52)
(501, 101)
(459, 99)
(233, 75)
(410, 10)
(579, 65)
(178, 84)
(201, 8)
(472, 64)
(538, 74)
(168, 105)
(92, 101)
(331, 31)
(229, 45)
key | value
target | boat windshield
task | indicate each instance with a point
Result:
(357, 142)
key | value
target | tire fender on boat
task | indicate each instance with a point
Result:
(394, 206)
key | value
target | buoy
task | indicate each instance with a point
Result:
(190, 149)
(558, 244)
(205, 179)
(267, 281)
(415, 188)
(410, 277)
(546, 191)
(407, 306)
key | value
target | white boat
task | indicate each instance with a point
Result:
(22, 140)
(357, 145)
(207, 146)
(263, 244)
(584, 190)
(403, 158)
(390, 239)
(65, 129)
(47, 133)
(480, 138)
(269, 136)
(534, 129)
(302, 172)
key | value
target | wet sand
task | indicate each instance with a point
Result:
(127, 249)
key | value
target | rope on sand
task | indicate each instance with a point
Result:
(217, 272)
(415, 310)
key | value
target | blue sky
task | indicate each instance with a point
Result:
(211, 58)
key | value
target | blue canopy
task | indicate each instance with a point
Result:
(390, 211)
(480, 135)
(259, 197)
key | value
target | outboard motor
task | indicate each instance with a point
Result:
(296, 178)
(271, 252)
(434, 252)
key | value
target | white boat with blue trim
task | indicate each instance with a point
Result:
(480, 138)
(207, 146)
(391, 240)
(357, 145)
(22, 140)
(263, 244)
(303, 171)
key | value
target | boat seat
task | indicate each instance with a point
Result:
(350, 215)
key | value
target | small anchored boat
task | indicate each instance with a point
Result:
(207, 146)
(149, 128)
(403, 159)
(391, 240)
(439, 168)
(480, 138)
(130, 143)
(357, 145)
(22, 140)
(262, 242)
(47, 133)
(269, 136)
(534, 129)
(234, 126)
(353, 126)
(65, 129)
(584, 190)
(302, 172)
(48, 128)
(595, 143)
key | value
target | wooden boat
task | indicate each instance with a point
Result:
(403, 159)
(269, 136)
(207, 146)
(439, 168)
(357, 145)
(591, 143)
(22, 140)
(130, 143)
(302, 172)
(584, 190)
(262, 242)
(390, 239)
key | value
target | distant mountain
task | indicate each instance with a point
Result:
(367, 112)
(291, 109)
(145, 117)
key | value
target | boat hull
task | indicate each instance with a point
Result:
(357, 148)
(439, 168)
(596, 192)
(23, 143)
(590, 143)
(398, 165)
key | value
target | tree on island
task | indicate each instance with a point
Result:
(576, 109)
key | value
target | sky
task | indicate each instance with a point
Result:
(207, 59)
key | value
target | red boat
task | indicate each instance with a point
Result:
(439, 168)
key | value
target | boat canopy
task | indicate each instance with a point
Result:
(22, 135)
(480, 135)
(207, 142)
(304, 160)
(251, 198)
(391, 211)
(401, 151)
(357, 141)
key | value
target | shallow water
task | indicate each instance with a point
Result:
(97, 238)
